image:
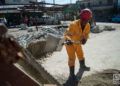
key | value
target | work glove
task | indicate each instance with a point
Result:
(83, 41)
(68, 42)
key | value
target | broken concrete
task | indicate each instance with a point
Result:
(96, 29)
(37, 48)
(42, 42)
(108, 28)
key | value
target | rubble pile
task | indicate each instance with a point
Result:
(108, 28)
(41, 42)
(23, 27)
(98, 29)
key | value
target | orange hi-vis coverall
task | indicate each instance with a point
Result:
(74, 32)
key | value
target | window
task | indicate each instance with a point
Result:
(100, 2)
(110, 1)
(16, 0)
(89, 4)
(82, 5)
(2, 1)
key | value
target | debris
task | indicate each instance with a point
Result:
(30, 29)
(23, 27)
(108, 28)
(52, 42)
(96, 29)
(37, 48)
(42, 42)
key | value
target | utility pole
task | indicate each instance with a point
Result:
(53, 8)
(53, 1)
(35, 7)
(70, 1)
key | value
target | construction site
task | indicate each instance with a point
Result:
(39, 27)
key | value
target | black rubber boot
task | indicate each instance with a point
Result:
(71, 69)
(71, 79)
(83, 66)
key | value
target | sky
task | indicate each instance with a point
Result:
(59, 1)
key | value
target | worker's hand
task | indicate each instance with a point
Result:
(68, 42)
(83, 41)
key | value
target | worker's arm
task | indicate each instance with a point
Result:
(69, 32)
(85, 35)
(68, 35)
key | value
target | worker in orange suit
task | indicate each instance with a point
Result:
(76, 35)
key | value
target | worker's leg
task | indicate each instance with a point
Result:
(81, 58)
(79, 52)
(71, 63)
(71, 58)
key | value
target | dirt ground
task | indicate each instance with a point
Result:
(104, 78)
(102, 55)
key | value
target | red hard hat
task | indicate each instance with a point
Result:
(85, 14)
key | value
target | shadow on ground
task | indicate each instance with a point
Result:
(104, 78)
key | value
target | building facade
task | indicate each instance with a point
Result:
(2, 2)
(97, 4)
(103, 10)
(18, 1)
(15, 11)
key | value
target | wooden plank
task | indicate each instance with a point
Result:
(12, 76)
